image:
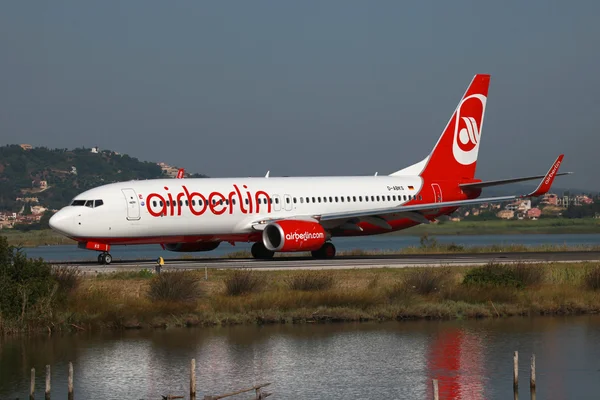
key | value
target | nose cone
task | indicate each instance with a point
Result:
(61, 222)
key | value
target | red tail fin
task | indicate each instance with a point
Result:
(180, 173)
(455, 154)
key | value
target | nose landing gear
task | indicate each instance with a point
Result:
(104, 258)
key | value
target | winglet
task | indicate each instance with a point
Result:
(180, 173)
(546, 183)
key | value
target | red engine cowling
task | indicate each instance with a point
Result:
(192, 247)
(293, 235)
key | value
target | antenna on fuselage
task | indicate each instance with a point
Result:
(267, 175)
(375, 174)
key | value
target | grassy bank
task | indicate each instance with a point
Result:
(176, 299)
(44, 237)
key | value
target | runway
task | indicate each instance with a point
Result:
(344, 262)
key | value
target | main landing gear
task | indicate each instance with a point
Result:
(104, 258)
(259, 251)
(326, 251)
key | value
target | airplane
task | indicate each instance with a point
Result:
(292, 214)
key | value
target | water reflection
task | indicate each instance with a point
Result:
(471, 360)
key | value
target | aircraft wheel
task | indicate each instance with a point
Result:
(101, 258)
(260, 252)
(326, 251)
(107, 258)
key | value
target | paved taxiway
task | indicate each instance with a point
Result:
(343, 262)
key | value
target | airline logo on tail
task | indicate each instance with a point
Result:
(467, 129)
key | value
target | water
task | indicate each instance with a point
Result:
(394, 360)
(385, 242)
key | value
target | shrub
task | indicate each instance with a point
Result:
(243, 281)
(311, 281)
(495, 274)
(528, 274)
(181, 286)
(24, 283)
(68, 279)
(591, 279)
(426, 280)
(492, 274)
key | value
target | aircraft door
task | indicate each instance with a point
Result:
(287, 202)
(276, 203)
(133, 205)
(437, 193)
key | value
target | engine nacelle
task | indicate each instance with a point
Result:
(192, 247)
(293, 235)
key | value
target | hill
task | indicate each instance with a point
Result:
(55, 176)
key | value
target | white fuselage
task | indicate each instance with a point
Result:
(165, 210)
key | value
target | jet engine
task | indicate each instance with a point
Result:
(293, 235)
(192, 246)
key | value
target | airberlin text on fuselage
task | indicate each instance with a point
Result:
(216, 202)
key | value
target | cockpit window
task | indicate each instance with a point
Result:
(87, 203)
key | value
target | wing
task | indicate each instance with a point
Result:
(480, 185)
(415, 212)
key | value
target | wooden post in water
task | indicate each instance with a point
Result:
(32, 385)
(47, 393)
(70, 383)
(532, 379)
(516, 374)
(193, 379)
(436, 391)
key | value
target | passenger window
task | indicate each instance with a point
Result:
(313, 200)
(161, 204)
(308, 199)
(342, 199)
(324, 199)
(277, 201)
(372, 198)
(366, 198)
(186, 203)
(319, 199)
(301, 199)
(377, 198)
(287, 200)
(389, 198)
(294, 200)
(354, 199)
(404, 197)
(154, 203)
(246, 201)
(360, 199)
(420, 197)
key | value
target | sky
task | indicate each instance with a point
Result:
(236, 88)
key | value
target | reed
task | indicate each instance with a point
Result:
(258, 297)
